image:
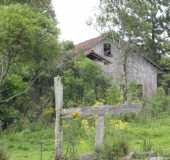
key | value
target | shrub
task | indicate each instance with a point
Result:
(47, 114)
(129, 117)
(120, 148)
(157, 104)
(105, 153)
(113, 95)
(113, 151)
(115, 142)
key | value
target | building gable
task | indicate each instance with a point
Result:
(97, 45)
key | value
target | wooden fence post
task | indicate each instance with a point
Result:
(58, 89)
(99, 132)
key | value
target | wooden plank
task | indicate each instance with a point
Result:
(99, 132)
(87, 157)
(58, 89)
(112, 110)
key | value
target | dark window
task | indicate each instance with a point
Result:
(107, 49)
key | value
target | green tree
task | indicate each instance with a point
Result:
(141, 22)
(44, 5)
(28, 50)
(84, 81)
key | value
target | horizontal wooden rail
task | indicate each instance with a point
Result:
(101, 110)
(97, 111)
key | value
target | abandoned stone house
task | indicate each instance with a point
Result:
(109, 55)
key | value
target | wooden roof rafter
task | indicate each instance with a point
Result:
(94, 56)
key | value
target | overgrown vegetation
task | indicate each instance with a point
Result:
(140, 22)
(31, 56)
(26, 60)
(146, 132)
(149, 135)
(84, 81)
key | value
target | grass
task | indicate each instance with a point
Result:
(157, 131)
(25, 145)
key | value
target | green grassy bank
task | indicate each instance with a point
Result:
(25, 145)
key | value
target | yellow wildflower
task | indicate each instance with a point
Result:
(65, 125)
(118, 124)
(75, 114)
(98, 103)
(85, 124)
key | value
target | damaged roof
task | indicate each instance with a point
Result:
(89, 44)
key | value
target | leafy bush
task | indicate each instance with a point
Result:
(113, 95)
(47, 114)
(129, 117)
(157, 104)
(32, 48)
(113, 151)
(84, 81)
(115, 142)
(105, 153)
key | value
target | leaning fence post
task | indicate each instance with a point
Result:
(58, 89)
(99, 132)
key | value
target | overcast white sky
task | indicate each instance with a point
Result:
(72, 16)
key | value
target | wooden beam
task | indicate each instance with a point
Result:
(101, 110)
(93, 55)
(99, 132)
(58, 89)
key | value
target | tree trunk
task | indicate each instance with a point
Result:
(125, 81)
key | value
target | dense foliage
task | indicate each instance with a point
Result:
(84, 82)
(142, 22)
(159, 103)
(28, 48)
(42, 5)
(31, 56)
(139, 136)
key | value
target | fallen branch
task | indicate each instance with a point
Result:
(7, 100)
(14, 96)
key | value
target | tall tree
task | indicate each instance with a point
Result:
(43, 5)
(84, 81)
(28, 48)
(142, 22)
